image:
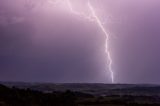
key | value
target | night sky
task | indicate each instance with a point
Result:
(41, 42)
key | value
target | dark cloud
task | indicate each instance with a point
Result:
(40, 44)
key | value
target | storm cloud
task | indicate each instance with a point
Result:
(41, 43)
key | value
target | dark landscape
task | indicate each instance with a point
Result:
(72, 94)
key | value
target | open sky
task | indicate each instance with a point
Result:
(41, 41)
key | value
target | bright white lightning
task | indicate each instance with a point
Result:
(107, 39)
(93, 17)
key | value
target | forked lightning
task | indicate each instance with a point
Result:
(92, 17)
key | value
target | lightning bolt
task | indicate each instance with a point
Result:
(93, 17)
(99, 23)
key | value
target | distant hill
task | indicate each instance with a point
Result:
(42, 94)
(97, 89)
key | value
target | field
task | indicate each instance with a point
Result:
(47, 94)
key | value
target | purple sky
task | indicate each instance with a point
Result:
(44, 43)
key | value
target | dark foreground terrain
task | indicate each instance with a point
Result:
(23, 94)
